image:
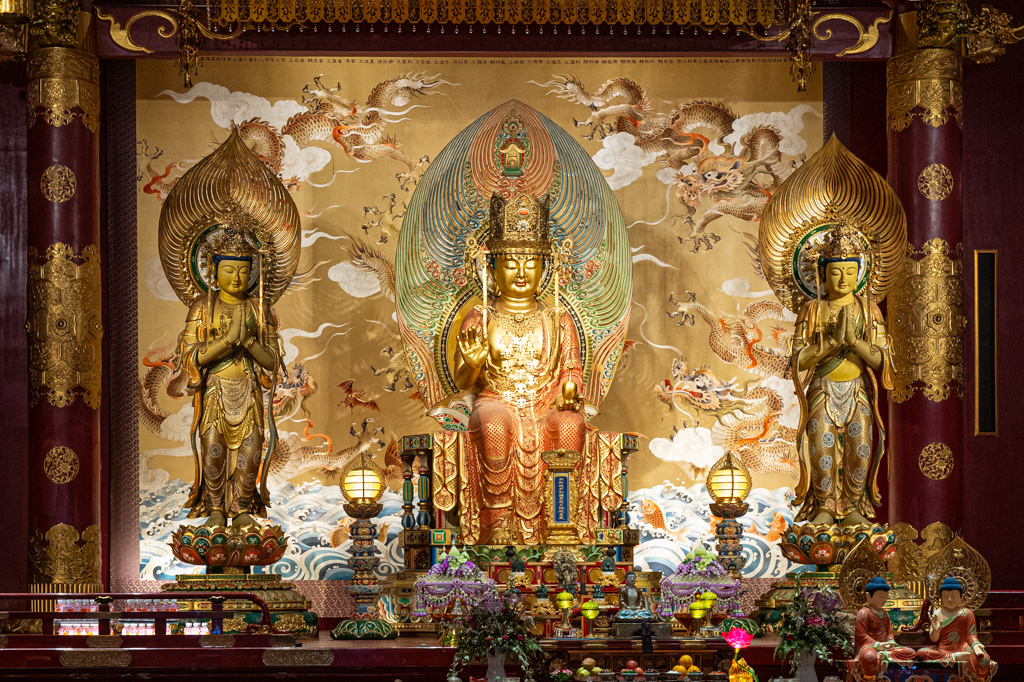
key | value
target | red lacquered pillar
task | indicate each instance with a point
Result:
(926, 314)
(64, 312)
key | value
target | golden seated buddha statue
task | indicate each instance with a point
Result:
(514, 310)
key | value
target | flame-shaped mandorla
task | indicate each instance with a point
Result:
(231, 181)
(832, 187)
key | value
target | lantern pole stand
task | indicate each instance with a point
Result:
(728, 484)
(363, 486)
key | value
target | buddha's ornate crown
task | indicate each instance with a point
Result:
(844, 241)
(233, 240)
(519, 224)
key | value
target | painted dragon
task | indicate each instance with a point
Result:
(737, 339)
(292, 458)
(745, 419)
(764, 444)
(691, 141)
(357, 127)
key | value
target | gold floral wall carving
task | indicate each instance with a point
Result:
(65, 326)
(936, 461)
(935, 182)
(699, 13)
(56, 557)
(60, 464)
(926, 317)
(64, 83)
(930, 79)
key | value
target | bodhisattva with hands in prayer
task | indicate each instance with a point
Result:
(840, 340)
(522, 358)
(228, 356)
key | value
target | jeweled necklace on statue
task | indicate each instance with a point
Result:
(227, 316)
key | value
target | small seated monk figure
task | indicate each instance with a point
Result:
(954, 629)
(633, 606)
(873, 636)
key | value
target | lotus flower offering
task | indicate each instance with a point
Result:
(452, 586)
(697, 575)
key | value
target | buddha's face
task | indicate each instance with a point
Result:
(233, 276)
(876, 599)
(841, 278)
(518, 275)
(951, 599)
(631, 579)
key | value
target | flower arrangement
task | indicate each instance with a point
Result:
(811, 623)
(698, 573)
(452, 585)
(561, 675)
(497, 626)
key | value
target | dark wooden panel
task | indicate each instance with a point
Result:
(13, 342)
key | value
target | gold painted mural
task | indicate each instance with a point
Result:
(693, 149)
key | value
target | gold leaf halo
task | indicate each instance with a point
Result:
(232, 179)
(832, 187)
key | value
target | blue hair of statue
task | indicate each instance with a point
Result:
(951, 583)
(876, 584)
(822, 262)
(217, 259)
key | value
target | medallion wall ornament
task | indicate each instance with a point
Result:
(64, 83)
(57, 558)
(61, 464)
(930, 79)
(935, 182)
(936, 461)
(64, 326)
(926, 316)
(58, 183)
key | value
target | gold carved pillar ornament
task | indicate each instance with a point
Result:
(65, 330)
(926, 316)
(65, 301)
(925, 121)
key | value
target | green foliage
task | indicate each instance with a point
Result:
(499, 625)
(811, 622)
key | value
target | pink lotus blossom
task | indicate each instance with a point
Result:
(738, 638)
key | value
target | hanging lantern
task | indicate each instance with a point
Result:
(728, 481)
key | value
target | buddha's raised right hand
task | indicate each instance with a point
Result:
(473, 347)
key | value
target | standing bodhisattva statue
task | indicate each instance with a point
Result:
(229, 245)
(230, 350)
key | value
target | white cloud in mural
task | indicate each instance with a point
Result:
(156, 281)
(740, 288)
(790, 415)
(789, 124)
(227, 107)
(354, 281)
(300, 163)
(621, 155)
(667, 175)
(691, 446)
(291, 351)
(178, 426)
